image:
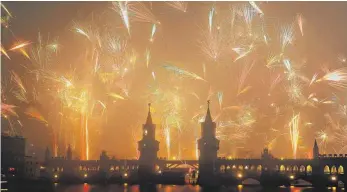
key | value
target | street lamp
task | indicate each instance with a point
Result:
(85, 175)
(291, 177)
(125, 174)
(239, 175)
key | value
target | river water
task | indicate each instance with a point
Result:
(176, 188)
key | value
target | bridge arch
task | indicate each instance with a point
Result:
(309, 169)
(333, 170)
(222, 169)
(241, 167)
(282, 168)
(340, 170)
(295, 168)
(252, 167)
(250, 181)
(289, 168)
(326, 170)
(302, 169)
(259, 168)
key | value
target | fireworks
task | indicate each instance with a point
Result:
(19, 45)
(109, 69)
(294, 133)
(300, 23)
(179, 5)
(154, 28)
(183, 72)
(255, 6)
(336, 78)
(210, 19)
(287, 36)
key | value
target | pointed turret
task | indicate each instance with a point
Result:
(315, 150)
(69, 153)
(149, 116)
(47, 154)
(208, 117)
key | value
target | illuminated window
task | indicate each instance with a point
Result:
(308, 169)
(326, 170)
(259, 168)
(333, 170)
(340, 170)
(146, 132)
(282, 168)
(302, 169)
(241, 167)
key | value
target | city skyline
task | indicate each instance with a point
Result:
(81, 74)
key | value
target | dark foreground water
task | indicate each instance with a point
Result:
(176, 188)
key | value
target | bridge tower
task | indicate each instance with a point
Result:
(148, 147)
(208, 146)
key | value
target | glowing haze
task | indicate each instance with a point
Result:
(83, 73)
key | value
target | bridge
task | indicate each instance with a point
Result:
(326, 169)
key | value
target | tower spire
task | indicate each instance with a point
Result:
(208, 117)
(315, 143)
(149, 116)
(315, 150)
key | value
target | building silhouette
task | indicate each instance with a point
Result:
(322, 169)
(148, 147)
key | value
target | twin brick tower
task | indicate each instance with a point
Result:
(208, 146)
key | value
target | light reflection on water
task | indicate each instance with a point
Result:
(176, 188)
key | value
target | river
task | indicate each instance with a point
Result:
(176, 188)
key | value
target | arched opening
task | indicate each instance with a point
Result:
(252, 167)
(276, 168)
(302, 169)
(333, 170)
(295, 168)
(228, 167)
(282, 168)
(112, 168)
(340, 170)
(222, 169)
(326, 170)
(309, 169)
(241, 167)
(234, 166)
(246, 167)
(289, 168)
(259, 168)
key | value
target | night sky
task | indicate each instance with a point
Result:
(176, 43)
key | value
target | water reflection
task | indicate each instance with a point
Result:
(177, 188)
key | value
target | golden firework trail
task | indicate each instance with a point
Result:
(3, 51)
(19, 45)
(179, 5)
(300, 23)
(255, 6)
(294, 133)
